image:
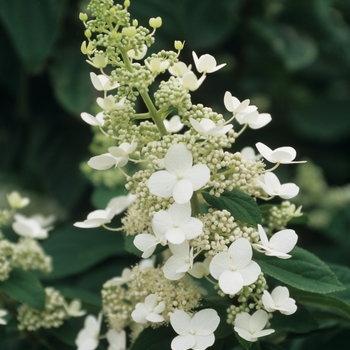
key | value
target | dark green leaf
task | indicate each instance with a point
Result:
(67, 333)
(154, 339)
(299, 322)
(242, 207)
(75, 249)
(84, 296)
(33, 27)
(338, 302)
(25, 288)
(303, 271)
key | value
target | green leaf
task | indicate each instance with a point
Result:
(74, 249)
(71, 80)
(67, 333)
(303, 271)
(242, 207)
(154, 339)
(25, 288)
(338, 302)
(300, 322)
(84, 296)
(33, 27)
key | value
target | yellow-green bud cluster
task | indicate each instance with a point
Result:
(52, 316)
(280, 215)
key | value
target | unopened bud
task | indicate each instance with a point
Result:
(155, 22)
(135, 22)
(129, 31)
(179, 45)
(126, 3)
(83, 16)
(88, 33)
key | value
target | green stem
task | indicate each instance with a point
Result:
(195, 205)
(146, 99)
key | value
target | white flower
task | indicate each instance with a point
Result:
(251, 327)
(16, 201)
(233, 105)
(87, 338)
(109, 103)
(94, 121)
(180, 178)
(176, 224)
(200, 269)
(191, 82)
(149, 310)
(254, 120)
(74, 308)
(98, 61)
(206, 63)
(196, 332)
(208, 127)
(282, 155)
(118, 281)
(179, 69)
(140, 55)
(157, 65)
(104, 216)
(116, 340)
(279, 300)
(281, 243)
(273, 187)
(249, 153)
(147, 243)
(180, 262)
(102, 83)
(235, 268)
(2, 314)
(36, 227)
(174, 124)
(116, 156)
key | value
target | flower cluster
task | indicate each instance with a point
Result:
(180, 189)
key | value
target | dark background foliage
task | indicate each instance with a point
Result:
(290, 57)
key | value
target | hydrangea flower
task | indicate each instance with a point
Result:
(279, 245)
(195, 332)
(235, 268)
(109, 103)
(104, 216)
(251, 327)
(206, 63)
(180, 262)
(94, 121)
(116, 156)
(191, 82)
(140, 55)
(16, 201)
(254, 120)
(36, 227)
(207, 127)
(102, 83)
(282, 155)
(156, 65)
(74, 309)
(147, 243)
(279, 300)
(179, 69)
(273, 187)
(176, 224)
(232, 104)
(150, 310)
(116, 340)
(180, 178)
(87, 338)
(3, 313)
(118, 281)
(174, 124)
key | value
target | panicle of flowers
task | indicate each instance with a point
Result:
(176, 160)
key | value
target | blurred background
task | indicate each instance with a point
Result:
(290, 57)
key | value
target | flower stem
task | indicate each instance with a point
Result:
(195, 205)
(147, 100)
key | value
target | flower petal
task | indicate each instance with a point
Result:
(258, 320)
(230, 282)
(183, 191)
(219, 264)
(284, 241)
(162, 183)
(102, 162)
(183, 342)
(178, 159)
(146, 243)
(198, 175)
(241, 253)
(205, 321)
(181, 322)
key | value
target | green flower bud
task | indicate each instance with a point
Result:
(129, 31)
(83, 16)
(135, 22)
(155, 22)
(179, 45)
(88, 33)
(126, 3)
